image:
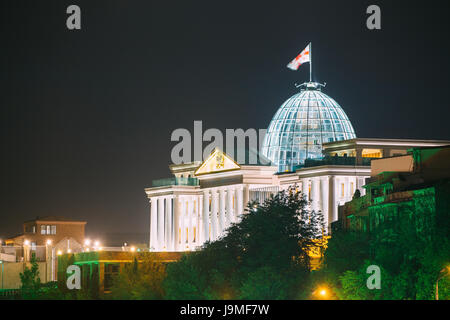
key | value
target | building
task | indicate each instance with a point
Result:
(327, 165)
(44, 238)
(415, 186)
(39, 231)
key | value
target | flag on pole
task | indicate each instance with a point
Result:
(301, 58)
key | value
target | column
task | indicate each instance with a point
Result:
(176, 224)
(332, 205)
(222, 201)
(315, 191)
(160, 224)
(240, 203)
(190, 216)
(305, 189)
(168, 229)
(324, 181)
(153, 224)
(183, 224)
(246, 192)
(229, 209)
(205, 217)
(214, 223)
(359, 185)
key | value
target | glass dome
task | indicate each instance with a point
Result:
(302, 124)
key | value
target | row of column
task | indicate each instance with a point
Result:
(325, 193)
(183, 222)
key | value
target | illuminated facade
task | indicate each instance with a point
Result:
(302, 124)
(202, 198)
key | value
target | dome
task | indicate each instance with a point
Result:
(302, 124)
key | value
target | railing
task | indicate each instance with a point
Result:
(174, 181)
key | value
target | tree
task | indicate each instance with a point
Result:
(272, 239)
(30, 281)
(140, 280)
(265, 284)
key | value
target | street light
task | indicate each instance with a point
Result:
(321, 292)
(49, 242)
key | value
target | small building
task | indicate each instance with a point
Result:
(44, 238)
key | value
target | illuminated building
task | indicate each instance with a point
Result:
(311, 144)
(415, 186)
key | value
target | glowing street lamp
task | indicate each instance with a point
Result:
(87, 242)
(49, 242)
(322, 292)
(132, 249)
(26, 243)
(59, 252)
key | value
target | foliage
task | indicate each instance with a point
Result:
(139, 281)
(264, 256)
(30, 281)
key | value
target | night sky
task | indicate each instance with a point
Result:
(86, 116)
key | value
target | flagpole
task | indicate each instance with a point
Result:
(310, 62)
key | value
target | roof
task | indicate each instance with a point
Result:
(54, 219)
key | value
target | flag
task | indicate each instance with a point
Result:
(301, 58)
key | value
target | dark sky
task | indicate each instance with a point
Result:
(86, 116)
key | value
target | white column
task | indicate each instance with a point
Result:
(169, 225)
(153, 224)
(332, 203)
(214, 223)
(205, 218)
(315, 191)
(176, 224)
(160, 223)
(183, 224)
(240, 203)
(222, 201)
(230, 213)
(190, 217)
(324, 186)
(246, 192)
(359, 185)
(305, 189)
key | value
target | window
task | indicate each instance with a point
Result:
(351, 189)
(48, 229)
(195, 231)
(342, 190)
(187, 235)
(179, 235)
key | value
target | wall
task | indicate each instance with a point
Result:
(12, 270)
(394, 164)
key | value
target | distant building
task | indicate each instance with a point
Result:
(42, 229)
(45, 238)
